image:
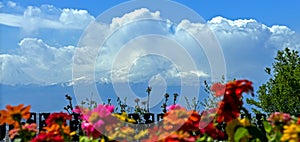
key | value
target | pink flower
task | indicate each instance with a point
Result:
(104, 110)
(279, 117)
(77, 110)
(90, 129)
(110, 108)
(98, 124)
(174, 107)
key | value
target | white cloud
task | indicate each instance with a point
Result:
(11, 4)
(46, 16)
(249, 46)
(11, 20)
(75, 18)
(32, 12)
(142, 13)
(37, 63)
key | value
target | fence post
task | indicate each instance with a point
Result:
(42, 120)
(2, 131)
(32, 118)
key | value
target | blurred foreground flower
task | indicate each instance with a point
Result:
(14, 114)
(231, 105)
(291, 133)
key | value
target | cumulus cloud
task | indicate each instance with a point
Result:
(36, 63)
(248, 46)
(74, 18)
(45, 16)
(142, 13)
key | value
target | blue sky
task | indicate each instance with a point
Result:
(257, 30)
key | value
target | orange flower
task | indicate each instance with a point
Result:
(180, 136)
(2, 117)
(175, 118)
(14, 114)
(56, 129)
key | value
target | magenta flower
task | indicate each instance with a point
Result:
(103, 110)
(90, 129)
(174, 107)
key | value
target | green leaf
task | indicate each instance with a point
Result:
(202, 139)
(18, 140)
(240, 133)
(267, 126)
(87, 139)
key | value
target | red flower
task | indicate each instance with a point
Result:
(218, 88)
(231, 104)
(229, 109)
(48, 137)
(213, 131)
(58, 118)
(239, 87)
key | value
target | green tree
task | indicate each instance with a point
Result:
(282, 91)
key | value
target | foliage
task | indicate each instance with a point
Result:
(281, 93)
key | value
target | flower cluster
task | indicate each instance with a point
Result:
(283, 126)
(13, 115)
(56, 129)
(279, 117)
(100, 123)
(93, 121)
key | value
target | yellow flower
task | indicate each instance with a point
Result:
(141, 134)
(127, 130)
(291, 133)
(123, 117)
(232, 125)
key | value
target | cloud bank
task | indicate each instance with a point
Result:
(33, 18)
(248, 46)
